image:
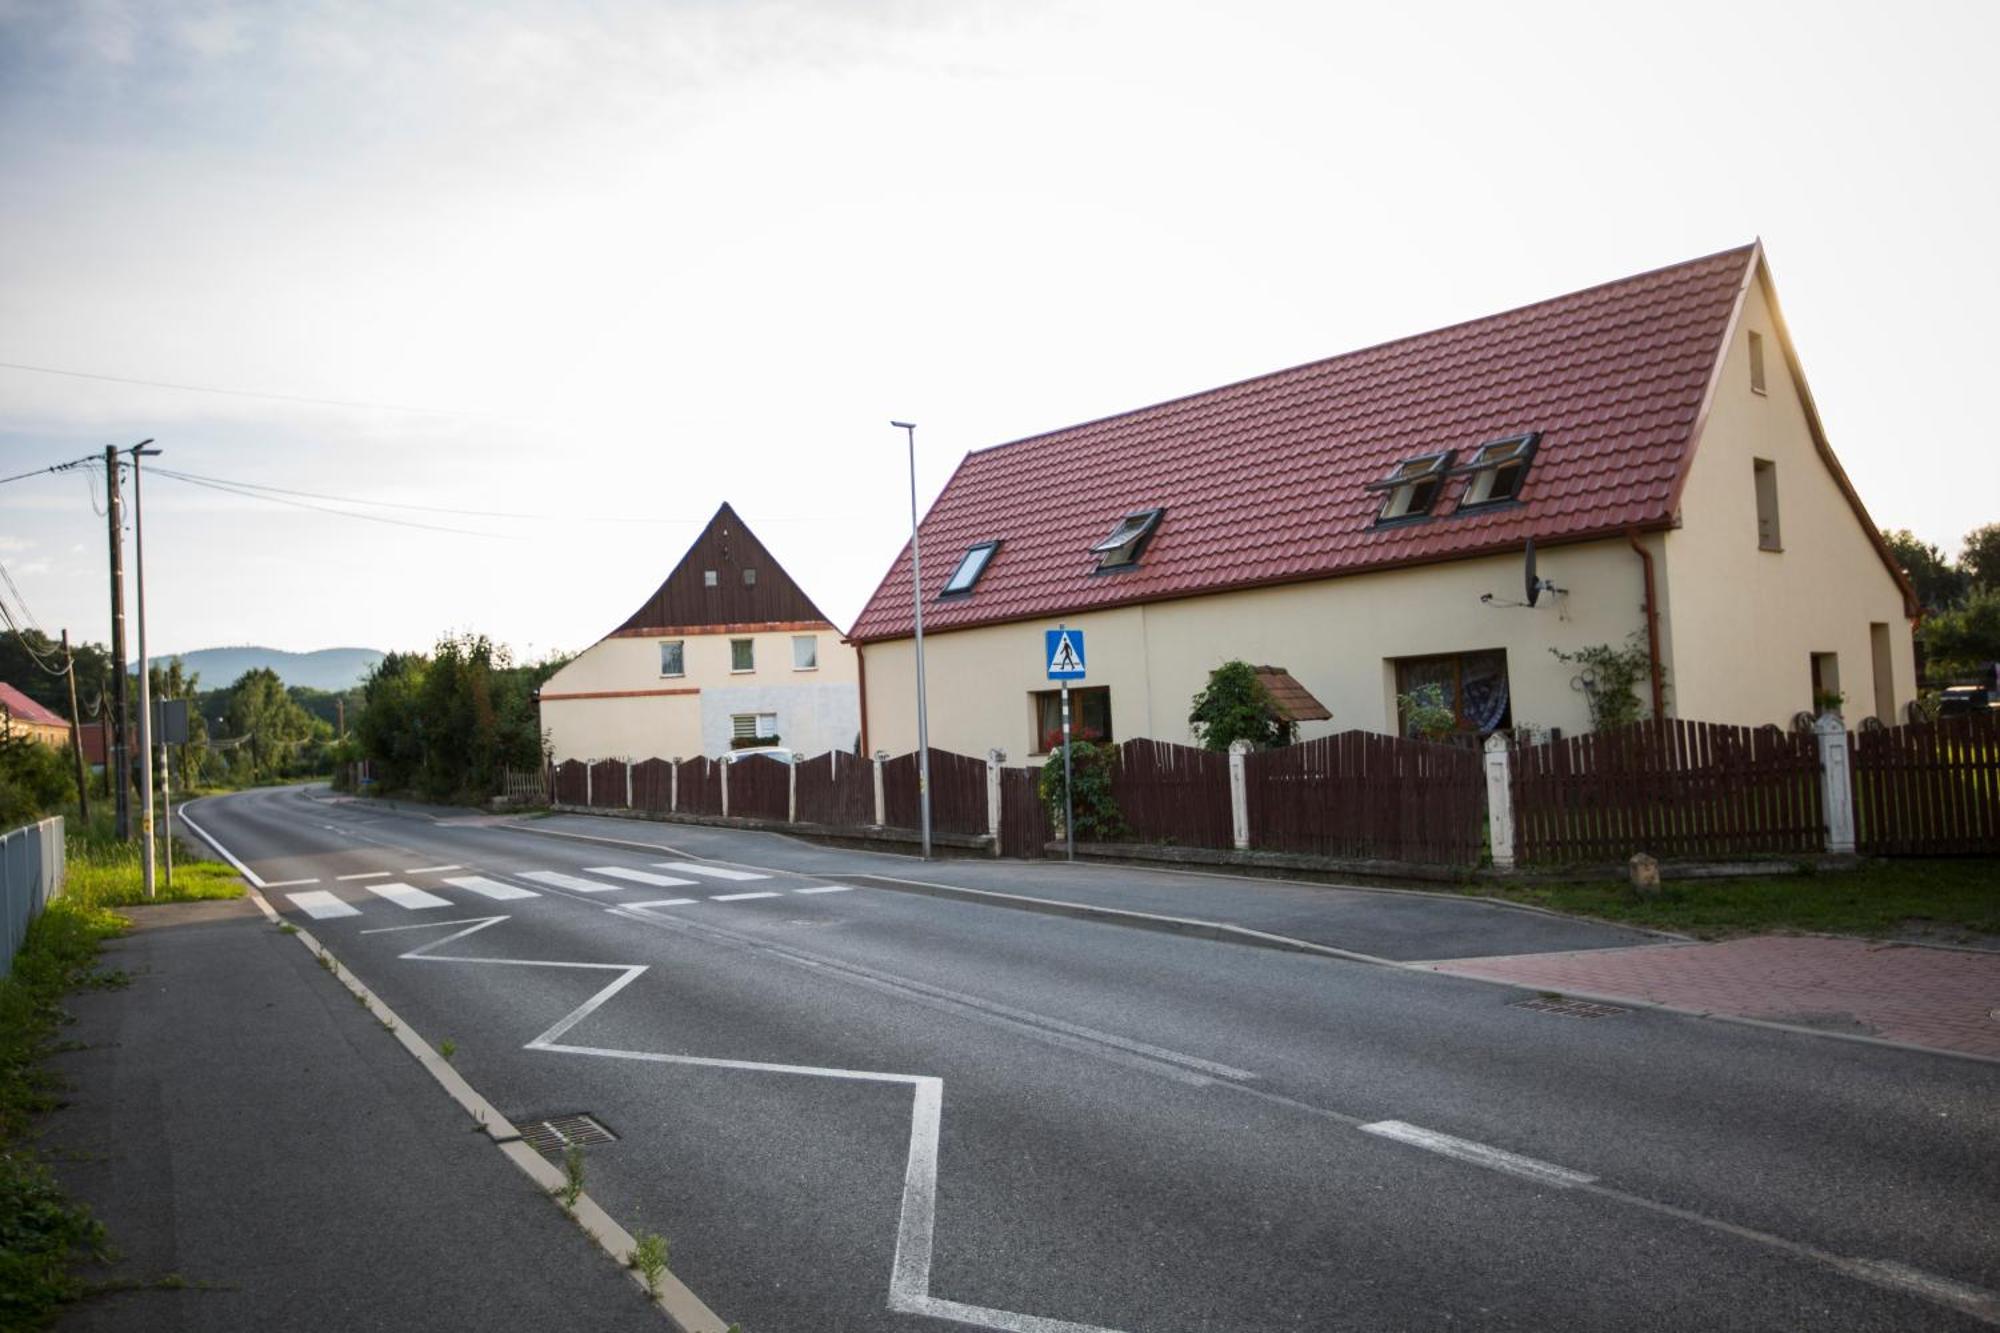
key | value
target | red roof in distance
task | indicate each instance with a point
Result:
(1265, 481)
(23, 709)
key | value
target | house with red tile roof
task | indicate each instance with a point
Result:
(1366, 522)
(22, 716)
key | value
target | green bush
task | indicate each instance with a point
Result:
(1235, 706)
(35, 780)
(1097, 815)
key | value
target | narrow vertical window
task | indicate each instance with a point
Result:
(1767, 505)
(1756, 362)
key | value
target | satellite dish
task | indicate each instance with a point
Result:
(1534, 584)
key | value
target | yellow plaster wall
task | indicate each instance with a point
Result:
(1746, 621)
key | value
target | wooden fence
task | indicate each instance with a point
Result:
(653, 785)
(760, 787)
(836, 789)
(1928, 789)
(701, 787)
(1171, 793)
(570, 779)
(958, 793)
(1025, 827)
(1360, 794)
(607, 784)
(1673, 788)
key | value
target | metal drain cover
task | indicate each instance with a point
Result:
(556, 1133)
(1556, 1004)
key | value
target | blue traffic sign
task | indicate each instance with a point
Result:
(1065, 653)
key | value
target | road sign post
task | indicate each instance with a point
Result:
(1065, 659)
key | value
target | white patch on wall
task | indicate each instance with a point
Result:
(811, 718)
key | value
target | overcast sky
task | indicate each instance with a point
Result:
(638, 259)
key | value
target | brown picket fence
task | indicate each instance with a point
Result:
(1171, 793)
(1672, 788)
(958, 793)
(1364, 795)
(569, 780)
(607, 784)
(760, 787)
(653, 785)
(1928, 789)
(837, 789)
(701, 787)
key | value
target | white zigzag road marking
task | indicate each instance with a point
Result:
(910, 1275)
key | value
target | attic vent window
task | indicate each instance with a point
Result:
(1497, 470)
(708, 578)
(1413, 486)
(749, 578)
(970, 568)
(1127, 540)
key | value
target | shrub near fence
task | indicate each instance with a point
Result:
(1928, 789)
(1672, 788)
(1173, 794)
(836, 789)
(1360, 794)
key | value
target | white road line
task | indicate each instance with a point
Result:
(562, 881)
(432, 870)
(283, 883)
(827, 888)
(1973, 1300)
(641, 877)
(366, 874)
(320, 905)
(741, 897)
(227, 855)
(657, 902)
(708, 871)
(492, 888)
(1478, 1154)
(404, 896)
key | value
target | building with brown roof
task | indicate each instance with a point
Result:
(1365, 519)
(727, 652)
(22, 716)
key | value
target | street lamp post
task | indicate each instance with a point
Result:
(140, 451)
(909, 429)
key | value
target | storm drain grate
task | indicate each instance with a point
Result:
(1556, 1004)
(553, 1135)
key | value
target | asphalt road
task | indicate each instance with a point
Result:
(855, 1108)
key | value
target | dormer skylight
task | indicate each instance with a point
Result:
(1497, 470)
(970, 568)
(1413, 486)
(1127, 540)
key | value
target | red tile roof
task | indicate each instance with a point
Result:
(1265, 481)
(23, 709)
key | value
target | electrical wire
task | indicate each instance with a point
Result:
(234, 489)
(53, 467)
(249, 393)
(7, 616)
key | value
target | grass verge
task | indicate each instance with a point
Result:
(42, 1234)
(103, 871)
(1950, 900)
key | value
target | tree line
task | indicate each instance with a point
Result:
(1960, 632)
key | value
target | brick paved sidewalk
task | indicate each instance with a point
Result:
(1945, 999)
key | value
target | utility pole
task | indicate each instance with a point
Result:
(917, 605)
(76, 735)
(147, 853)
(117, 760)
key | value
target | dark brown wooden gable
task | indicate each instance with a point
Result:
(729, 548)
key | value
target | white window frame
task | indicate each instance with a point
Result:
(811, 641)
(680, 651)
(735, 670)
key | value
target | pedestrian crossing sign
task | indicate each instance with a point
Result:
(1065, 653)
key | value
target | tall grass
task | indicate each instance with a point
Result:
(104, 871)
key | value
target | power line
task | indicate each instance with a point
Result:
(53, 467)
(394, 504)
(7, 615)
(235, 489)
(251, 393)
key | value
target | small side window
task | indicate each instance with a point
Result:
(673, 658)
(805, 652)
(742, 654)
(1757, 362)
(1767, 506)
(1412, 486)
(749, 578)
(709, 579)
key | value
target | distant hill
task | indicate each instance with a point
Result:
(327, 669)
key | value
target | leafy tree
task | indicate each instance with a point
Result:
(449, 725)
(174, 681)
(1980, 558)
(1939, 583)
(1961, 640)
(1234, 706)
(1097, 815)
(19, 668)
(273, 727)
(34, 779)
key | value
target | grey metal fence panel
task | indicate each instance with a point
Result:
(31, 873)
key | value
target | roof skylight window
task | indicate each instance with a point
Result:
(1127, 540)
(970, 568)
(1497, 470)
(1413, 486)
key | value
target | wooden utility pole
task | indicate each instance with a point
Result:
(118, 760)
(76, 735)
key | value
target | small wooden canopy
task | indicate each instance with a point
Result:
(1293, 701)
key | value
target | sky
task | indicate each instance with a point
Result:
(578, 273)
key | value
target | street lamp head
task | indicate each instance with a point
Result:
(140, 450)
(904, 425)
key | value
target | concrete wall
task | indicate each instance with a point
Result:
(1338, 637)
(671, 717)
(1747, 621)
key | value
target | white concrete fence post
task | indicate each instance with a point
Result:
(881, 806)
(725, 791)
(628, 784)
(994, 759)
(1836, 784)
(1500, 800)
(674, 786)
(1239, 796)
(792, 790)
(588, 764)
